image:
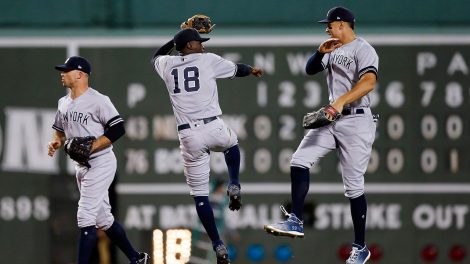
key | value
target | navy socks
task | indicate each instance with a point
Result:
(206, 215)
(232, 158)
(118, 236)
(359, 215)
(300, 183)
(86, 244)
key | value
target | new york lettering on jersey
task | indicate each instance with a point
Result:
(87, 115)
(342, 58)
(75, 116)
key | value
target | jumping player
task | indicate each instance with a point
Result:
(86, 112)
(352, 66)
(190, 78)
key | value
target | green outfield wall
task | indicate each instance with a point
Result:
(244, 13)
(417, 184)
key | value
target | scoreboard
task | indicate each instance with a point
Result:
(417, 182)
(422, 98)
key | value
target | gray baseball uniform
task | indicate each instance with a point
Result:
(191, 84)
(352, 66)
(89, 115)
(354, 133)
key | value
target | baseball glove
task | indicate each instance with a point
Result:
(322, 117)
(79, 149)
(199, 22)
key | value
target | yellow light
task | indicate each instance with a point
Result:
(178, 246)
(157, 238)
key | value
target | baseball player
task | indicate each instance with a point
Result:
(86, 112)
(190, 78)
(352, 66)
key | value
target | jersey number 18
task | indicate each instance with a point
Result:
(191, 83)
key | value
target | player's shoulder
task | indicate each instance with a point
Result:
(211, 58)
(166, 60)
(362, 43)
(94, 92)
(163, 57)
(199, 55)
(211, 55)
(363, 46)
(64, 98)
(96, 95)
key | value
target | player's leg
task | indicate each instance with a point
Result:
(219, 137)
(118, 236)
(200, 193)
(86, 221)
(300, 184)
(232, 158)
(316, 144)
(196, 169)
(87, 241)
(106, 167)
(354, 153)
(206, 216)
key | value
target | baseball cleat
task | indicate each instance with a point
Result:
(234, 193)
(143, 258)
(292, 227)
(222, 254)
(358, 255)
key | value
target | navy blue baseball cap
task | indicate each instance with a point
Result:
(186, 35)
(339, 13)
(75, 63)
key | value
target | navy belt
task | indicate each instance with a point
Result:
(204, 120)
(349, 111)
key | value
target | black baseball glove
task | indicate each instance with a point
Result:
(79, 149)
(201, 23)
(322, 117)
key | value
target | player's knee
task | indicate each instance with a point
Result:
(199, 190)
(353, 185)
(354, 193)
(199, 185)
(298, 162)
(233, 139)
(85, 218)
(105, 224)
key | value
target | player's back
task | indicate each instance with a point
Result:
(191, 83)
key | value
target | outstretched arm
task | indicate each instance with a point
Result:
(245, 70)
(166, 49)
